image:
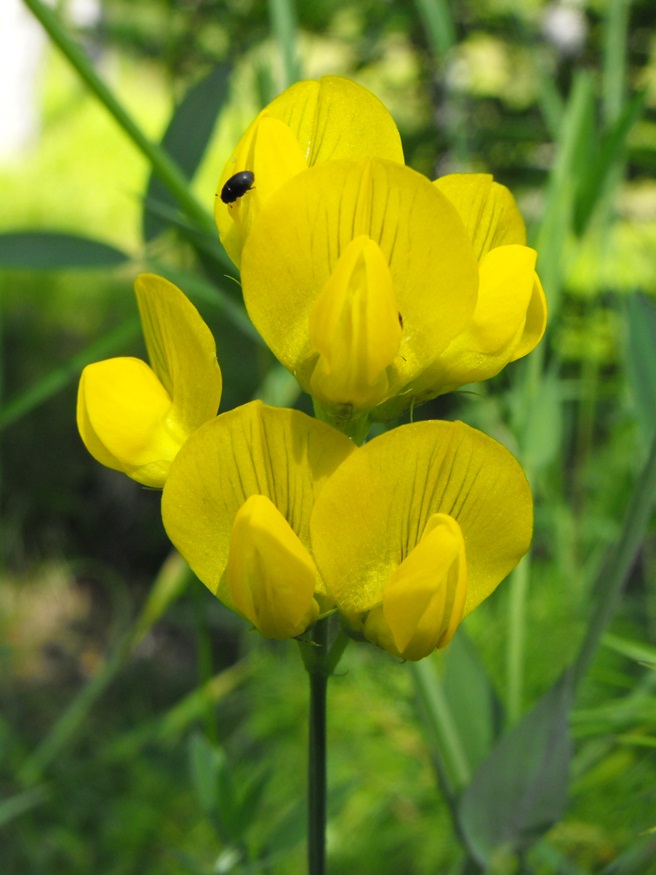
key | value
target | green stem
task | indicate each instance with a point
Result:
(162, 164)
(317, 776)
(320, 656)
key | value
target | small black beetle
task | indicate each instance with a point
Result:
(237, 186)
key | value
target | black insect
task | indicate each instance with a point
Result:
(237, 186)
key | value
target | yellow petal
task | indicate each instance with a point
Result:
(124, 418)
(536, 321)
(423, 599)
(134, 419)
(272, 153)
(270, 574)
(309, 123)
(181, 350)
(336, 118)
(354, 326)
(378, 502)
(252, 450)
(487, 344)
(487, 209)
(308, 224)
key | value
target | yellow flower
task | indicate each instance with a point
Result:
(358, 275)
(378, 289)
(134, 418)
(416, 528)
(309, 123)
(510, 316)
(237, 506)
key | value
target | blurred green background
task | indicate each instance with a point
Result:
(142, 727)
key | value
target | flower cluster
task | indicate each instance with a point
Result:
(378, 289)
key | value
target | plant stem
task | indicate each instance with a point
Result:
(317, 776)
(320, 657)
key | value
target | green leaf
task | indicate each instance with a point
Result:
(284, 26)
(21, 803)
(50, 250)
(442, 730)
(437, 19)
(474, 704)
(543, 425)
(57, 378)
(571, 156)
(212, 779)
(641, 360)
(186, 139)
(206, 763)
(595, 175)
(617, 565)
(520, 790)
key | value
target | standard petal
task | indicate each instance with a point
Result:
(305, 227)
(336, 118)
(376, 506)
(181, 350)
(123, 416)
(252, 450)
(311, 122)
(487, 209)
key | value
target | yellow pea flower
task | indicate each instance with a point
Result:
(311, 122)
(372, 237)
(343, 252)
(237, 505)
(510, 316)
(416, 528)
(134, 418)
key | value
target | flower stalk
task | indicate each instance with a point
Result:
(321, 654)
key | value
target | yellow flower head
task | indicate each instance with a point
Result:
(308, 124)
(134, 418)
(416, 528)
(378, 289)
(237, 505)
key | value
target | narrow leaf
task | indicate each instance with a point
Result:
(543, 425)
(595, 176)
(520, 790)
(474, 705)
(641, 360)
(618, 563)
(57, 378)
(186, 139)
(15, 806)
(50, 250)
(438, 23)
